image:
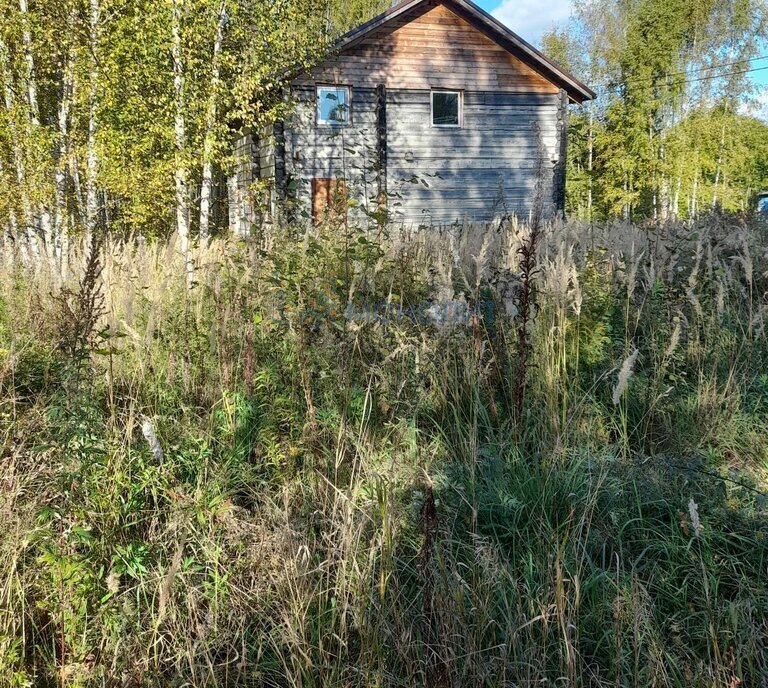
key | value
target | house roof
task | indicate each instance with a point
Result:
(492, 28)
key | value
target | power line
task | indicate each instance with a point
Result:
(718, 66)
(683, 82)
(701, 69)
(721, 76)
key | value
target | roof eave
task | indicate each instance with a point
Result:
(577, 91)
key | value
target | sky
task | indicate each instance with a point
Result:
(532, 18)
(528, 18)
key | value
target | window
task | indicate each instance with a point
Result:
(446, 109)
(333, 105)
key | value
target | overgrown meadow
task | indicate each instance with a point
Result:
(478, 456)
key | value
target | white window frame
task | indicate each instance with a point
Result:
(460, 95)
(329, 122)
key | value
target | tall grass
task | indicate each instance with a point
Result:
(313, 468)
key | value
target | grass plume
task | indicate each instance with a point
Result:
(332, 490)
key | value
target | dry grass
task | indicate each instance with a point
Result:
(297, 474)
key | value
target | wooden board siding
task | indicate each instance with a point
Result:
(324, 152)
(511, 133)
(488, 168)
(253, 160)
(436, 49)
(265, 151)
(245, 170)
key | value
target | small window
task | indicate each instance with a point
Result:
(446, 109)
(333, 105)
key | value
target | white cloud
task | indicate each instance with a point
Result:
(531, 19)
(757, 106)
(761, 106)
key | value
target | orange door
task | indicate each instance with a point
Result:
(329, 200)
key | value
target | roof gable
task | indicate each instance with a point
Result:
(409, 10)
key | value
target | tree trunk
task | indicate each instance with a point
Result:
(43, 221)
(26, 35)
(210, 123)
(29, 241)
(62, 164)
(92, 160)
(664, 199)
(719, 160)
(695, 195)
(11, 233)
(179, 130)
(234, 197)
(590, 160)
(77, 208)
(676, 199)
(625, 207)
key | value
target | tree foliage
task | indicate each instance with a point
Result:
(104, 70)
(668, 134)
(120, 113)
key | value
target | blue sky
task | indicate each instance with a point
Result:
(532, 18)
(529, 18)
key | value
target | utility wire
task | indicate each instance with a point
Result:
(722, 76)
(718, 66)
(683, 82)
(706, 69)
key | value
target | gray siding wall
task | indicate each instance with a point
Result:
(323, 152)
(486, 169)
(253, 160)
(265, 152)
(244, 171)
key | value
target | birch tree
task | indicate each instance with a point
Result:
(30, 77)
(656, 65)
(180, 173)
(91, 193)
(15, 136)
(210, 125)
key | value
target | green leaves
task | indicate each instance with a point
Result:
(663, 139)
(109, 135)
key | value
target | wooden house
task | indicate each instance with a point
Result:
(434, 110)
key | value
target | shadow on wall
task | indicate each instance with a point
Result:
(489, 167)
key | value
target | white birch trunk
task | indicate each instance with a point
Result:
(695, 195)
(235, 205)
(210, 123)
(92, 160)
(626, 209)
(11, 233)
(180, 140)
(664, 189)
(26, 36)
(676, 198)
(26, 235)
(78, 216)
(719, 161)
(62, 165)
(590, 162)
(44, 222)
